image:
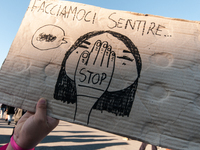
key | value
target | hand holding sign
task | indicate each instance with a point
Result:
(94, 72)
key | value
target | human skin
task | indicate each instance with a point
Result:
(32, 128)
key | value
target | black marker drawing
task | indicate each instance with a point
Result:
(125, 57)
(48, 37)
(94, 73)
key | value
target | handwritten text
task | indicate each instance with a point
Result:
(137, 25)
(68, 12)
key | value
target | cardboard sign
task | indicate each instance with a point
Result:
(127, 73)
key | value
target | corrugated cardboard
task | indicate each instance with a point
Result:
(127, 73)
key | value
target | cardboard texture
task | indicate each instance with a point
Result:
(126, 73)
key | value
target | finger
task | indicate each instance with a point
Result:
(82, 62)
(84, 58)
(25, 116)
(100, 58)
(41, 109)
(81, 65)
(112, 58)
(52, 122)
(106, 56)
(95, 52)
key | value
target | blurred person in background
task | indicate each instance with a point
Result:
(10, 113)
(3, 109)
(18, 114)
(144, 145)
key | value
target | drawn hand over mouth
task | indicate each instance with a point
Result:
(99, 72)
(94, 73)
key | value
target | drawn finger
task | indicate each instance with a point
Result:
(82, 62)
(95, 52)
(84, 58)
(111, 62)
(105, 59)
(102, 50)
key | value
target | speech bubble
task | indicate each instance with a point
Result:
(48, 37)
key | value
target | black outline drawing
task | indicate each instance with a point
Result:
(118, 102)
(47, 37)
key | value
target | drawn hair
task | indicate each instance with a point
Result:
(118, 102)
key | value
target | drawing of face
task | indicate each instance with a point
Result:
(125, 72)
(102, 67)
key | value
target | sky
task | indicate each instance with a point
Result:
(12, 13)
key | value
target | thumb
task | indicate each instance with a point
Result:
(41, 109)
(84, 57)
